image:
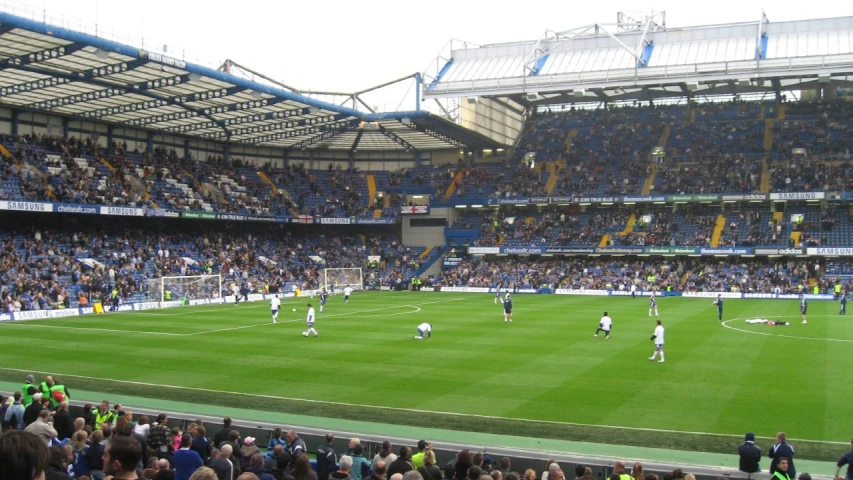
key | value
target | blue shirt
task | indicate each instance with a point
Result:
(323, 296)
(186, 462)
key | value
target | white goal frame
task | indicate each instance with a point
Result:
(345, 277)
(159, 286)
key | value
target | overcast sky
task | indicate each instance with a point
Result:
(351, 45)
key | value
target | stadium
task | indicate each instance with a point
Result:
(695, 179)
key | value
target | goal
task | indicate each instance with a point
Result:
(192, 287)
(341, 278)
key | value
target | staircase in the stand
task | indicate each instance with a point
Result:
(718, 230)
(554, 170)
(768, 134)
(452, 187)
(267, 180)
(650, 180)
(796, 237)
(605, 241)
(108, 165)
(425, 253)
(629, 225)
(765, 176)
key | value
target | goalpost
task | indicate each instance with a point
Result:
(193, 287)
(341, 278)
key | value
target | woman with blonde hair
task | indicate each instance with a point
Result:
(429, 470)
(530, 474)
(204, 473)
(637, 471)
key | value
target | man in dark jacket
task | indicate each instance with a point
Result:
(403, 463)
(222, 434)
(31, 413)
(326, 461)
(749, 454)
(782, 450)
(63, 423)
(57, 469)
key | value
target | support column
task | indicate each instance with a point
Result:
(227, 154)
(186, 149)
(65, 123)
(14, 122)
(110, 140)
(150, 143)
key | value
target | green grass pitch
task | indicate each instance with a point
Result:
(544, 374)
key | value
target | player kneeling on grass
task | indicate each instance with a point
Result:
(604, 325)
(424, 328)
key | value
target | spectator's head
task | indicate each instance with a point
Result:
(750, 437)
(291, 436)
(330, 438)
(277, 433)
(248, 476)
(477, 459)
(397, 476)
(529, 474)
(637, 471)
(122, 455)
(63, 406)
(780, 437)
(474, 472)
(579, 469)
(405, 453)
(413, 475)
(301, 467)
(186, 440)
(44, 415)
(380, 469)
(204, 473)
(386, 446)
(163, 464)
(422, 444)
(226, 421)
(97, 436)
(505, 463)
(162, 419)
(257, 461)
(353, 441)
(782, 465)
(22, 455)
(233, 436)
(58, 458)
(496, 475)
(358, 450)
(651, 476)
(345, 463)
(804, 476)
(282, 461)
(226, 450)
(17, 396)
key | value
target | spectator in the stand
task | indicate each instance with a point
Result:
(31, 413)
(750, 455)
(121, 458)
(429, 470)
(57, 469)
(385, 454)
(781, 450)
(204, 473)
(846, 459)
(63, 423)
(186, 459)
(222, 434)
(256, 466)
(296, 446)
(200, 444)
(160, 438)
(220, 462)
(344, 467)
(302, 469)
(22, 456)
(42, 428)
(380, 469)
(326, 457)
(403, 463)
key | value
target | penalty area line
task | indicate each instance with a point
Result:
(766, 334)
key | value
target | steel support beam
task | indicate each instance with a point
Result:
(284, 114)
(78, 98)
(397, 139)
(32, 85)
(325, 135)
(41, 55)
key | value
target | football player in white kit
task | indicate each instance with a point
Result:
(275, 306)
(658, 339)
(604, 325)
(424, 328)
(347, 293)
(310, 320)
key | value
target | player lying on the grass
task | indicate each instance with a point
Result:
(772, 323)
(424, 328)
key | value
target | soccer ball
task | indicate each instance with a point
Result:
(418, 338)
(304, 334)
(294, 309)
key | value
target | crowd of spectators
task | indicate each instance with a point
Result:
(706, 274)
(62, 268)
(111, 442)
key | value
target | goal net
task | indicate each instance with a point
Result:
(339, 278)
(193, 287)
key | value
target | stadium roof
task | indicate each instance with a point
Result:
(56, 70)
(647, 60)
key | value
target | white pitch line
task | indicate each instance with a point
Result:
(399, 409)
(725, 324)
(34, 325)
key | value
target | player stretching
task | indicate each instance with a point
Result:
(497, 295)
(347, 293)
(323, 297)
(422, 329)
(843, 303)
(310, 320)
(275, 305)
(804, 306)
(653, 305)
(604, 325)
(719, 303)
(508, 308)
(658, 339)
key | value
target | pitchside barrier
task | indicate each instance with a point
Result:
(136, 307)
(445, 451)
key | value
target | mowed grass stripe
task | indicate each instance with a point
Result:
(545, 366)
